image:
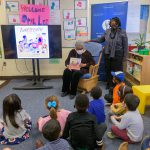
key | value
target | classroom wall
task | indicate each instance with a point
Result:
(24, 67)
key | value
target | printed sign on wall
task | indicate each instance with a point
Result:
(34, 14)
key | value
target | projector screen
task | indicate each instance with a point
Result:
(31, 41)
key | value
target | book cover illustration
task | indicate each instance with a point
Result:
(75, 63)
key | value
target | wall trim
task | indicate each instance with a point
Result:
(29, 77)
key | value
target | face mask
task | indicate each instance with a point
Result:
(80, 52)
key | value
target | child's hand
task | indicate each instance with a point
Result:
(115, 117)
(26, 122)
(118, 117)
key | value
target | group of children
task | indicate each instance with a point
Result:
(82, 129)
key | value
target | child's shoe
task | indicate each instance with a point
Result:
(111, 135)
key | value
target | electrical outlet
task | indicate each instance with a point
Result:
(4, 63)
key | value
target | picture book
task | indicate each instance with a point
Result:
(75, 63)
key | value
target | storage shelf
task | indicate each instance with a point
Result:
(132, 60)
(140, 62)
(137, 54)
(133, 76)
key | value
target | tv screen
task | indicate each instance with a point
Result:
(31, 41)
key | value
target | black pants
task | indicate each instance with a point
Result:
(112, 64)
(109, 97)
(70, 81)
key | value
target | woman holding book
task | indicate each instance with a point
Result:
(77, 64)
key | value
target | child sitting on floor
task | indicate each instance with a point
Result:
(52, 104)
(119, 108)
(97, 108)
(81, 127)
(118, 79)
(15, 124)
(129, 127)
(51, 131)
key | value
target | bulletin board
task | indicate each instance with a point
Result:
(79, 14)
(69, 34)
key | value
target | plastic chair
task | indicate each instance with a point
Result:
(143, 92)
(145, 144)
(90, 80)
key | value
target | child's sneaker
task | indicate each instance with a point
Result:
(100, 145)
(111, 135)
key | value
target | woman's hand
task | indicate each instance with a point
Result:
(82, 65)
(68, 67)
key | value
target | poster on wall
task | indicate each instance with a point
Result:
(82, 31)
(81, 22)
(54, 17)
(68, 14)
(13, 19)
(69, 24)
(32, 41)
(12, 6)
(101, 14)
(80, 4)
(54, 4)
(34, 14)
(70, 35)
(133, 16)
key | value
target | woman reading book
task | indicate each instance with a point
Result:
(77, 64)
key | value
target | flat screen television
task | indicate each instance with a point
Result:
(23, 42)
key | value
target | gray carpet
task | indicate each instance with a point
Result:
(33, 102)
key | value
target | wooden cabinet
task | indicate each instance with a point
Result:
(138, 69)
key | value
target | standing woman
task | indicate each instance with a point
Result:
(115, 49)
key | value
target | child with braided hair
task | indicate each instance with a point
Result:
(52, 104)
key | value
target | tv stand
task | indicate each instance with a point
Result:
(36, 83)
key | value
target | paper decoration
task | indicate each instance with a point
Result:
(39, 2)
(82, 31)
(34, 14)
(69, 24)
(54, 61)
(54, 17)
(80, 4)
(13, 19)
(81, 22)
(54, 4)
(68, 14)
(70, 35)
(12, 6)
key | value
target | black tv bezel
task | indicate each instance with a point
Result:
(50, 56)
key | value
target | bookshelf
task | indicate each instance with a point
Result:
(138, 69)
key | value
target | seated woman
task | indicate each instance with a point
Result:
(77, 64)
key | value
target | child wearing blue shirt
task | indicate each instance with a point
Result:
(96, 107)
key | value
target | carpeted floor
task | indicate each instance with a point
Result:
(33, 103)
